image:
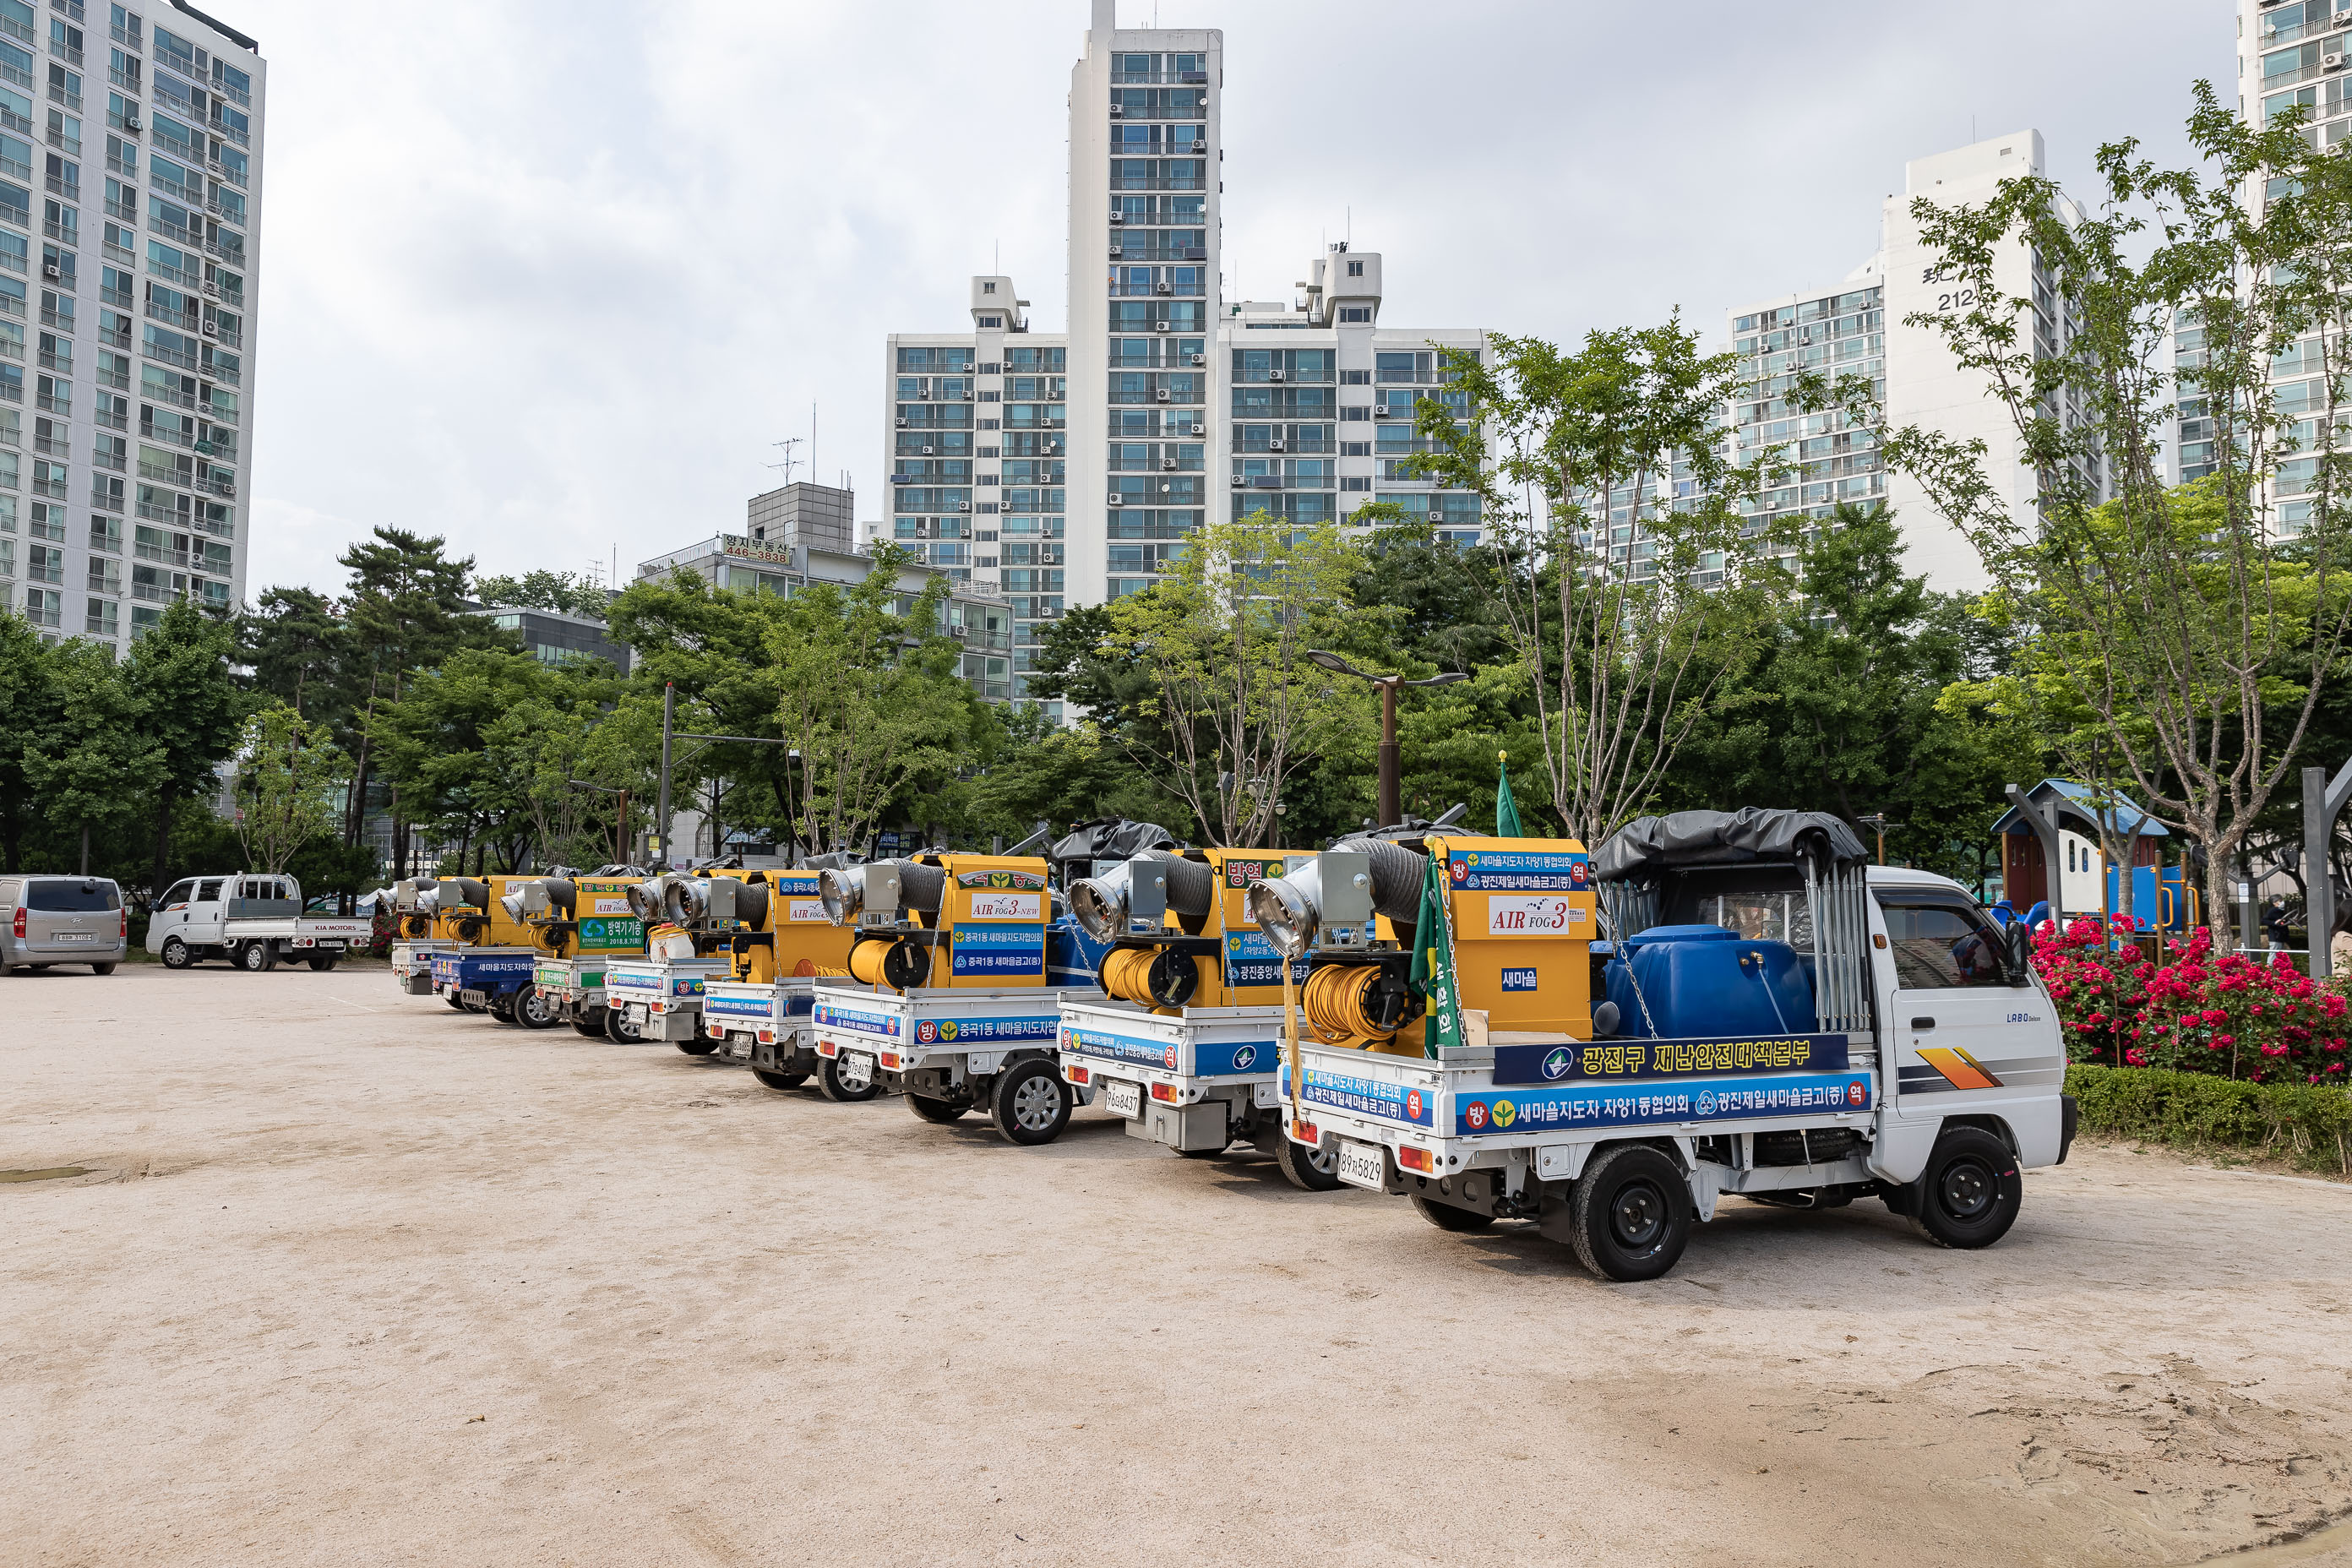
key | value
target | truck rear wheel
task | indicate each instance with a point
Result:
(780, 1080)
(1969, 1193)
(322, 961)
(256, 957)
(829, 1084)
(939, 1110)
(1308, 1170)
(1632, 1213)
(592, 1025)
(618, 1027)
(535, 1010)
(455, 1001)
(1032, 1104)
(1445, 1216)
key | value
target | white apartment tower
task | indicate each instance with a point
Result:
(131, 488)
(1858, 326)
(1065, 471)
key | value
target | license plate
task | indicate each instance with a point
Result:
(1124, 1098)
(77, 936)
(636, 1012)
(1360, 1166)
(857, 1068)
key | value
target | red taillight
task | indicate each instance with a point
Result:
(123, 927)
(1416, 1160)
(1305, 1133)
(20, 922)
(1166, 1093)
(1077, 1074)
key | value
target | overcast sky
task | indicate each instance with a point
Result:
(550, 276)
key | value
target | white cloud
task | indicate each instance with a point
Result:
(548, 277)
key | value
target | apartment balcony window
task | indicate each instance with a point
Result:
(72, 101)
(45, 564)
(15, 74)
(16, 26)
(165, 178)
(65, 133)
(68, 7)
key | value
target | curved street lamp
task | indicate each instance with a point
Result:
(1391, 806)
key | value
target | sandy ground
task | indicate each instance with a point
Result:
(358, 1279)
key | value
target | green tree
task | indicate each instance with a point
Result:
(288, 775)
(299, 650)
(567, 592)
(99, 764)
(1627, 640)
(1224, 636)
(2170, 624)
(181, 687)
(30, 706)
(451, 748)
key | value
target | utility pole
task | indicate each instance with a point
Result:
(620, 830)
(1877, 820)
(1391, 795)
(661, 811)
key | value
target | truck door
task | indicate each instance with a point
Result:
(1959, 1036)
(171, 915)
(204, 914)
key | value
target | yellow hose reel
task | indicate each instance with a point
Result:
(1356, 1003)
(900, 966)
(1152, 976)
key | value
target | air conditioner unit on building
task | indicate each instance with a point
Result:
(1200, 359)
(2331, 62)
(1115, 253)
(902, 422)
(927, 451)
(1380, 410)
(963, 506)
(1274, 445)
(923, 393)
(2343, 19)
(968, 396)
(1118, 217)
(1169, 463)
(1163, 288)
(1274, 375)
(1156, 326)
(1200, 429)
(131, 123)
(1161, 395)
(1240, 479)
(48, 269)
(211, 329)
(1114, 500)
(1119, 111)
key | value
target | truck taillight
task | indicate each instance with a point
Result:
(1416, 1160)
(1306, 1132)
(1164, 1092)
(1077, 1074)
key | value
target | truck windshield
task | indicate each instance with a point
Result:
(69, 897)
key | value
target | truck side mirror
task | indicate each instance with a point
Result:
(2020, 943)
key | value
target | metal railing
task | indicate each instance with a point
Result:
(69, 145)
(71, 8)
(16, 75)
(71, 101)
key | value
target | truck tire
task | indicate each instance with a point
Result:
(1308, 1170)
(176, 954)
(321, 962)
(534, 1011)
(1032, 1104)
(455, 1000)
(591, 1025)
(700, 1046)
(1631, 1214)
(1445, 1216)
(253, 957)
(939, 1110)
(779, 1081)
(829, 1084)
(1969, 1193)
(618, 1029)
(502, 1008)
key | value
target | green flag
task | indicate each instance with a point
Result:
(1432, 964)
(1506, 810)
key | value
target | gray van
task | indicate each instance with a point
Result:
(62, 920)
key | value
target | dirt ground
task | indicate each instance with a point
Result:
(356, 1279)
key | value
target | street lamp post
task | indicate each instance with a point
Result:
(1392, 802)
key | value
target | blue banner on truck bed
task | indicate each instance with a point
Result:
(1587, 1105)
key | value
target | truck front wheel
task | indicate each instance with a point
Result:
(1969, 1193)
(1631, 1214)
(176, 954)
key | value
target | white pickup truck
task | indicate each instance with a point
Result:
(250, 918)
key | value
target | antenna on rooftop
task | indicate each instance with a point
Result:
(791, 445)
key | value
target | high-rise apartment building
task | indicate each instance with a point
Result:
(104, 521)
(1064, 471)
(1860, 326)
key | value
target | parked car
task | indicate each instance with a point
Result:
(62, 920)
(251, 918)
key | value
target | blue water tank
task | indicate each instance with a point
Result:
(1707, 982)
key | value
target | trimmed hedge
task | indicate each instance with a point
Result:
(2309, 1124)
